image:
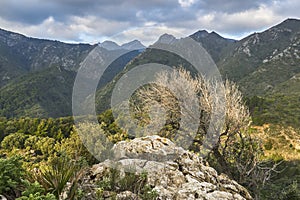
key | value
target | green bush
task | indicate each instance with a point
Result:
(291, 192)
(46, 146)
(34, 191)
(14, 140)
(276, 157)
(74, 148)
(268, 145)
(38, 196)
(11, 174)
(55, 176)
(131, 181)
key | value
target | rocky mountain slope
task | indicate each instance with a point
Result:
(269, 64)
(214, 44)
(21, 55)
(261, 61)
(37, 76)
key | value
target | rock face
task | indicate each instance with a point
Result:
(173, 172)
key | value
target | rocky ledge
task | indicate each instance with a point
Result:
(172, 172)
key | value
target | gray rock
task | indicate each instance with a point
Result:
(127, 195)
(2, 197)
(172, 171)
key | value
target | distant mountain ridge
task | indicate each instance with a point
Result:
(262, 64)
(253, 51)
(265, 65)
(166, 39)
(20, 55)
(213, 43)
(37, 75)
(132, 45)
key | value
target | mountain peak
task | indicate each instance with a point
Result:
(290, 23)
(133, 45)
(166, 39)
(291, 20)
(201, 33)
(109, 45)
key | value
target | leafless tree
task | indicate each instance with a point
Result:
(235, 152)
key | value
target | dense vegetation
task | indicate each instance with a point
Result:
(51, 155)
(50, 142)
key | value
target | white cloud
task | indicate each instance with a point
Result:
(251, 19)
(48, 29)
(236, 24)
(147, 34)
(81, 29)
(240, 23)
(287, 8)
(97, 21)
(186, 3)
(98, 26)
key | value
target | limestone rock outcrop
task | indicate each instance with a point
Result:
(172, 172)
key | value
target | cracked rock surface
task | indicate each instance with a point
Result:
(172, 171)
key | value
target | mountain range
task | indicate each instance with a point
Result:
(110, 45)
(37, 75)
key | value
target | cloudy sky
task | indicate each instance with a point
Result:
(97, 20)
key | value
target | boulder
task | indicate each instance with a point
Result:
(2, 197)
(172, 172)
